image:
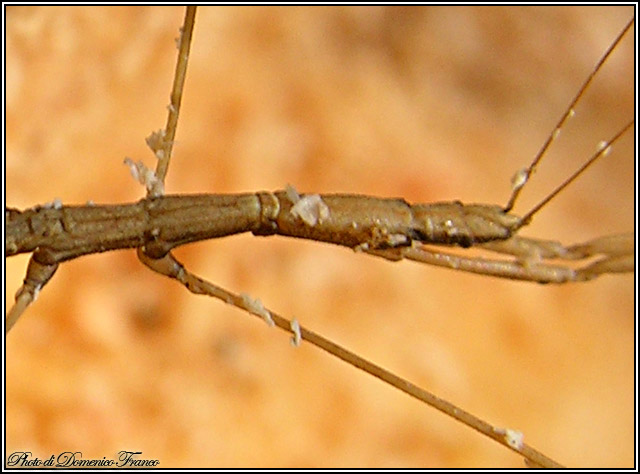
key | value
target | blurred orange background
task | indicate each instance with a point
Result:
(427, 103)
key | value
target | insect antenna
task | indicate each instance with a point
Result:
(523, 175)
(604, 148)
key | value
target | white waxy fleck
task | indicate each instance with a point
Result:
(361, 247)
(145, 176)
(519, 179)
(297, 336)
(156, 142)
(55, 204)
(556, 132)
(604, 148)
(514, 438)
(256, 307)
(311, 209)
(132, 168)
(292, 194)
(36, 293)
(397, 239)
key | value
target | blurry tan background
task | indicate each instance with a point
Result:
(424, 103)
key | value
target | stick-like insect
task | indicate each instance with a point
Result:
(257, 262)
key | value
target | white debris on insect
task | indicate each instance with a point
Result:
(604, 148)
(133, 168)
(450, 228)
(55, 204)
(292, 194)
(395, 240)
(572, 113)
(90, 203)
(519, 179)
(361, 247)
(256, 307)
(171, 108)
(311, 209)
(514, 438)
(556, 132)
(36, 292)
(145, 176)
(155, 141)
(297, 337)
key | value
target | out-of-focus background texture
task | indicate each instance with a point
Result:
(424, 103)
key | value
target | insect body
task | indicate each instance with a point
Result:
(168, 221)
(446, 326)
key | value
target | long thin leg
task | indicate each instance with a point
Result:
(164, 146)
(616, 254)
(169, 266)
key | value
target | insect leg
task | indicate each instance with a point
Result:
(38, 274)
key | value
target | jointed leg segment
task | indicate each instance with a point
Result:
(616, 254)
(38, 274)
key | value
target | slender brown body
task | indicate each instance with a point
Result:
(161, 223)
